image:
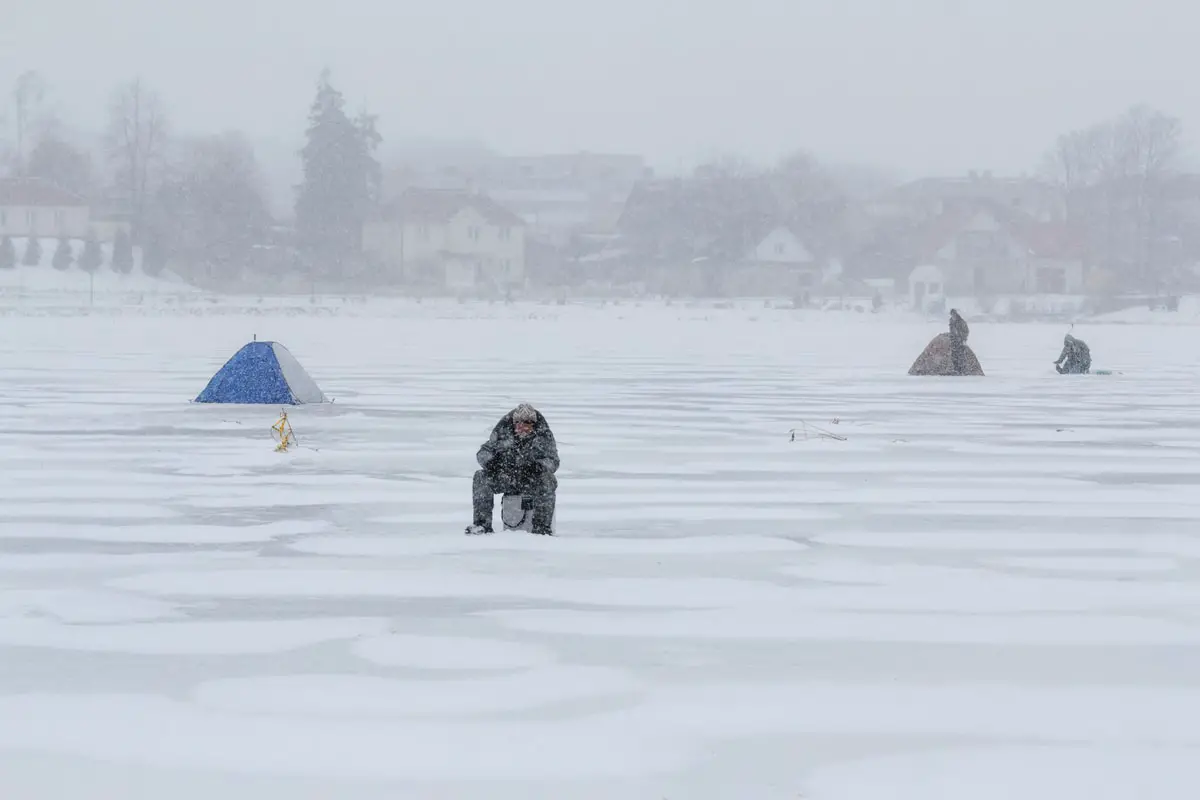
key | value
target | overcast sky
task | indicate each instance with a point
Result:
(927, 86)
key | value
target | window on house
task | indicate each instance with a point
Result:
(60, 221)
(779, 248)
(935, 288)
(505, 234)
(30, 217)
(473, 233)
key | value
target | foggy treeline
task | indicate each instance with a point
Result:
(1117, 195)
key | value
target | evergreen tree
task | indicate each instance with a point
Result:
(8, 253)
(92, 256)
(63, 257)
(368, 131)
(341, 176)
(122, 253)
(33, 252)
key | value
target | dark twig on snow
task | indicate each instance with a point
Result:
(809, 431)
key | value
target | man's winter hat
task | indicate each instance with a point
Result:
(525, 413)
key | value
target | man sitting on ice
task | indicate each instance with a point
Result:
(1075, 359)
(520, 457)
(958, 342)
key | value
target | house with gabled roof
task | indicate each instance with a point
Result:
(721, 237)
(770, 260)
(982, 248)
(447, 239)
(37, 207)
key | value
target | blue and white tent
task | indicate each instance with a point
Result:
(262, 372)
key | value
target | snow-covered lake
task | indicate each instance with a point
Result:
(989, 590)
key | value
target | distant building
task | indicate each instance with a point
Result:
(699, 236)
(981, 248)
(36, 207)
(778, 264)
(927, 198)
(558, 196)
(448, 239)
(926, 287)
(562, 195)
(110, 216)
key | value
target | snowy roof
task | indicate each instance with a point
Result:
(926, 273)
(36, 192)
(921, 242)
(441, 205)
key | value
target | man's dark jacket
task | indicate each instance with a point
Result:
(507, 455)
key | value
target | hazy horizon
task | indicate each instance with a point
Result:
(934, 87)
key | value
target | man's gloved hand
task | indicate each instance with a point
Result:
(529, 472)
(493, 449)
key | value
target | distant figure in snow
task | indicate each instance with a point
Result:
(948, 353)
(1075, 359)
(520, 457)
(958, 341)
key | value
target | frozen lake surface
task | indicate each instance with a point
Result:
(990, 589)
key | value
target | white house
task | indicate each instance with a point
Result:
(984, 251)
(780, 246)
(448, 239)
(926, 284)
(780, 264)
(35, 207)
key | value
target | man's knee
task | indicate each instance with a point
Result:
(484, 482)
(544, 483)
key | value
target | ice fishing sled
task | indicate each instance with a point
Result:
(516, 512)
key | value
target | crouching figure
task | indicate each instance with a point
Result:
(1075, 359)
(518, 459)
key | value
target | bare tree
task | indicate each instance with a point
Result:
(1114, 178)
(212, 208)
(136, 140)
(28, 94)
(1148, 143)
(1080, 165)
